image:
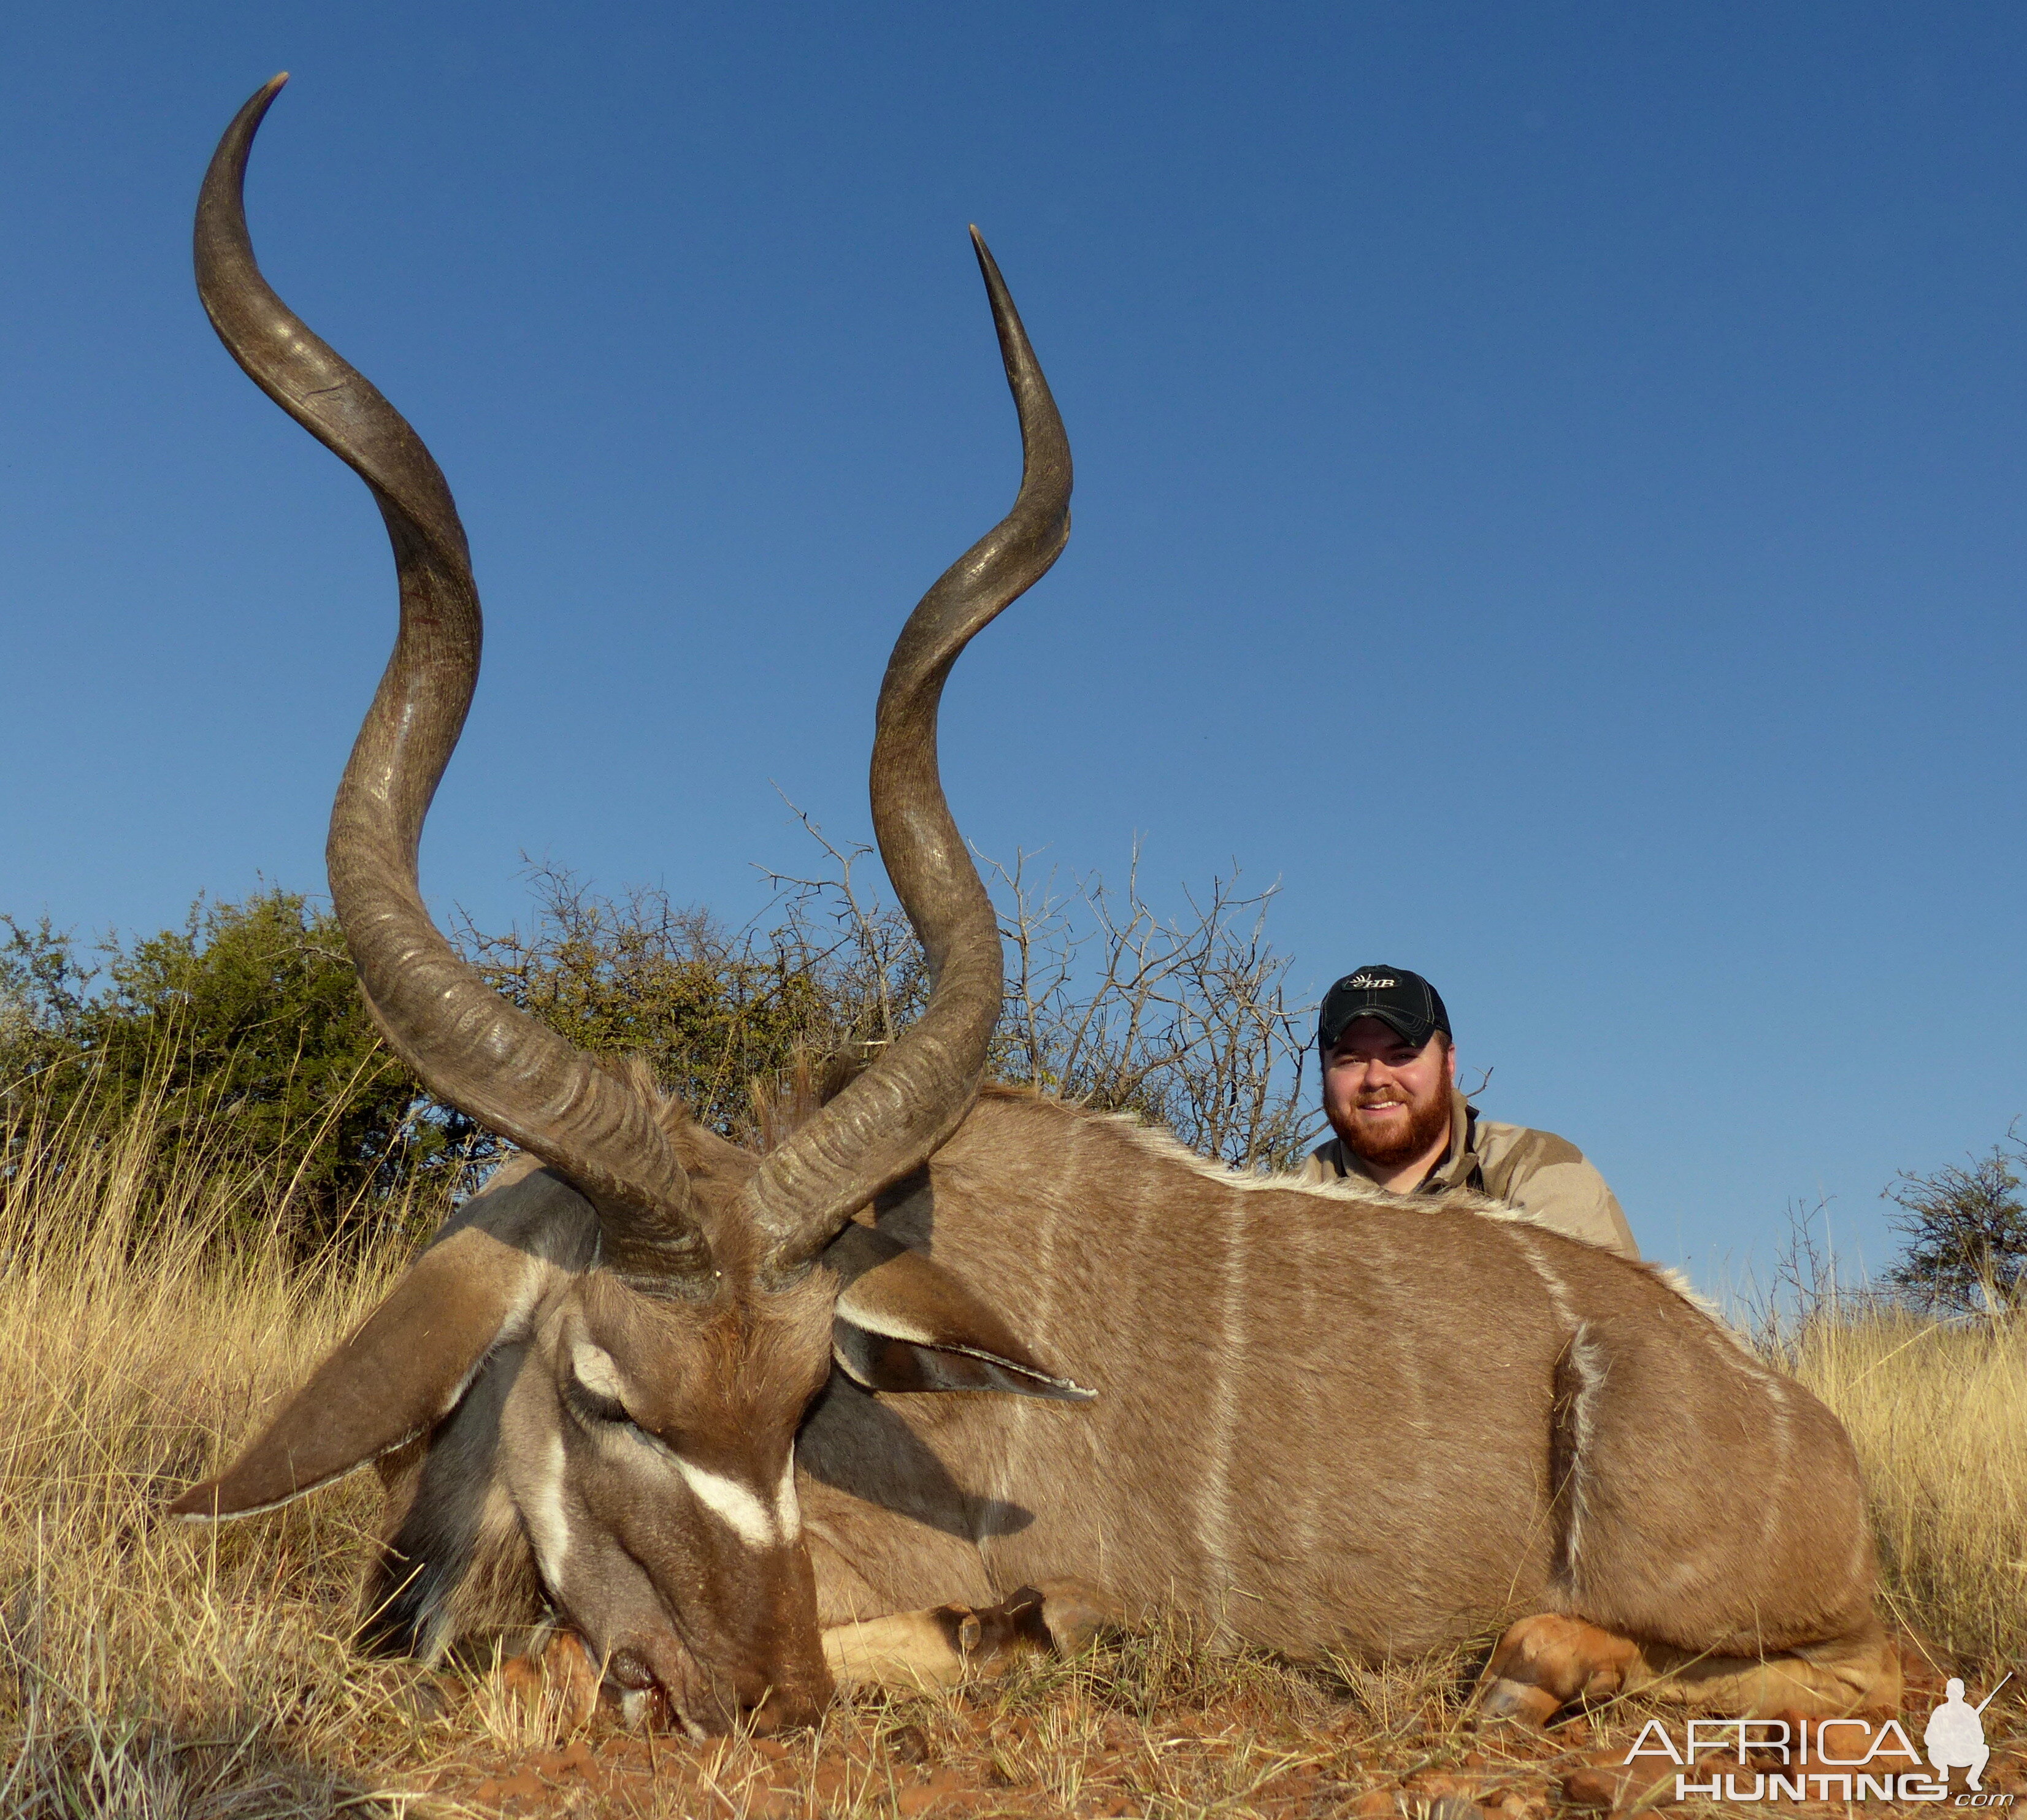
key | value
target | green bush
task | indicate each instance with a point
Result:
(718, 1014)
(242, 1037)
(243, 1033)
(243, 1029)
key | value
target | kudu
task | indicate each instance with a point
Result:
(700, 1404)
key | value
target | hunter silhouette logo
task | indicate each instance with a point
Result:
(1836, 1759)
(1956, 1737)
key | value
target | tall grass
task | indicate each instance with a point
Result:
(148, 1317)
(1938, 1412)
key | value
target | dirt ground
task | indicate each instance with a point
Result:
(1144, 1727)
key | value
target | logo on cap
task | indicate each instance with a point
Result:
(1398, 997)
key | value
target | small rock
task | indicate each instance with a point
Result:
(1593, 1786)
(1613, 1785)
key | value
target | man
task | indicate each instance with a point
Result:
(1390, 1094)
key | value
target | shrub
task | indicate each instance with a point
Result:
(244, 1027)
(1967, 1230)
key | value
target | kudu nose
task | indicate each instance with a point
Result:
(772, 1715)
(708, 1704)
(784, 1709)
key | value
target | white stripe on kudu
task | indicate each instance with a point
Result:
(549, 1527)
(748, 1518)
(788, 1509)
(742, 1509)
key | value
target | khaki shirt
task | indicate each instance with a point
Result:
(1538, 1171)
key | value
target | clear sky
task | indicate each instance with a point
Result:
(1550, 492)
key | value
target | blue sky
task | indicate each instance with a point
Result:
(1550, 493)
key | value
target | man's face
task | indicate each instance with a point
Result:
(1388, 1100)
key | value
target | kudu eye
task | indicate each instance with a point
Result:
(594, 1388)
(594, 1408)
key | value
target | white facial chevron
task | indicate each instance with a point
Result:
(741, 1509)
(747, 1517)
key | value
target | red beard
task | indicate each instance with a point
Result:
(1426, 1119)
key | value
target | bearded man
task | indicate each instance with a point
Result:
(1390, 1094)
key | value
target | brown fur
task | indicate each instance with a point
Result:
(1327, 1420)
(1494, 1420)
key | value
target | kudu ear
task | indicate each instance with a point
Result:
(406, 1368)
(904, 1323)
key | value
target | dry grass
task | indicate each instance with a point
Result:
(152, 1670)
(1938, 1410)
(148, 1669)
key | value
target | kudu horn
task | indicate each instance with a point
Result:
(891, 1120)
(472, 1047)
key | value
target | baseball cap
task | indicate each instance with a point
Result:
(1404, 1002)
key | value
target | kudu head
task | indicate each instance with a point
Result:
(609, 1352)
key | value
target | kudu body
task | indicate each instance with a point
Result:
(701, 1404)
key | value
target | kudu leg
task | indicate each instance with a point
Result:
(1543, 1664)
(952, 1643)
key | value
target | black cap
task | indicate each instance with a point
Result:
(1404, 1002)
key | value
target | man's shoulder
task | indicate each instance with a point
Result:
(1519, 1150)
(1553, 1180)
(1323, 1163)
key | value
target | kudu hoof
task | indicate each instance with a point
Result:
(1077, 1614)
(1515, 1702)
(1058, 1618)
(1545, 1662)
(987, 1637)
